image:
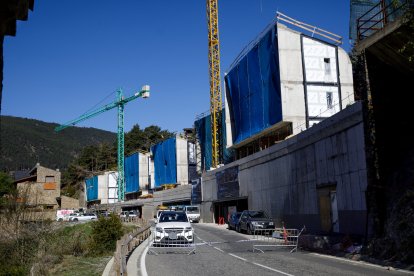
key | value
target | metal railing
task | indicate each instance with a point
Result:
(127, 244)
(279, 237)
(376, 18)
(312, 29)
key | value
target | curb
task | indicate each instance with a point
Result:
(133, 264)
(108, 267)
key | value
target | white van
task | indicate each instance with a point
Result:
(63, 215)
(193, 213)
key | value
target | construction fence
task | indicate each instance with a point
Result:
(266, 239)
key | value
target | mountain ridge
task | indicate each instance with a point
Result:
(25, 142)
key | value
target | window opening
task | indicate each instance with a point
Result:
(329, 100)
(327, 63)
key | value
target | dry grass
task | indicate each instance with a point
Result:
(74, 266)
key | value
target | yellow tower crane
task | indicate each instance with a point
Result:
(215, 81)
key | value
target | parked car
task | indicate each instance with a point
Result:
(125, 214)
(173, 227)
(251, 220)
(83, 217)
(73, 215)
(193, 213)
(234, 220)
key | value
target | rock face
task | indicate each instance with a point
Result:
(397, 243)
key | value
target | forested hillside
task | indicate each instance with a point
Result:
(25, 142)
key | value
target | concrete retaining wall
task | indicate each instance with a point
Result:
(288, 179)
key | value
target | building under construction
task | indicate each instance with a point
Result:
(292, 138)
(299, 141)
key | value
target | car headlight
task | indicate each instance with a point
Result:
(255, 223)
(271, 223)
(188, 229)
(158, 229)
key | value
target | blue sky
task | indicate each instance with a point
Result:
(71, 54)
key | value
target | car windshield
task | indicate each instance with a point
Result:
(173, 217)
(257, 214)
(192, 209)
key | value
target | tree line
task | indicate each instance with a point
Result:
(95, 159)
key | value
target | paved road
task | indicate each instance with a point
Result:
(223, 252)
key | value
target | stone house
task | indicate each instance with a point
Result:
(41, 189)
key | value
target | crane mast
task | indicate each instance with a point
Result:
(215, 83)
(121, 177)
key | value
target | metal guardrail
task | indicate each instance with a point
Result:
(132, 219)
(127, 244)
(279, 237)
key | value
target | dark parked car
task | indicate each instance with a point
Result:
(251, 220)
(234, 220)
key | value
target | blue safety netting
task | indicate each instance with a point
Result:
(165, 162)
(132, 173)
(91, 188)
(203, 130)
(253, 88)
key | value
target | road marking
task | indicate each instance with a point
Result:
(235, 256)
(361, 263)
(218, 249)
(272, 269)
(142, 262)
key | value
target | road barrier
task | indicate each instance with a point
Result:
(172, 240)
(278, 237)
(131, 219)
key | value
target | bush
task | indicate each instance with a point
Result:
(105, 233)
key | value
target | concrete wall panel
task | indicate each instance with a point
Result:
(284, 179)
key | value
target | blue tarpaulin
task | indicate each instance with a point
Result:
(165, 162)
(203, 130)
(253, 88)
(91, 188)
(132, 173)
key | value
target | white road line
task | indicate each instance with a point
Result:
(361, 263)
(218, 249)
(272, 269)
(235, 256)
(142, 262)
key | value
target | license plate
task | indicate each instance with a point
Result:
(172, 236)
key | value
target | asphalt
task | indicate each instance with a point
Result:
(136, 262)
(135, 265)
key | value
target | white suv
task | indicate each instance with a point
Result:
(173, 228)
(193, 213)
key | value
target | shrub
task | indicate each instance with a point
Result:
(105, 233)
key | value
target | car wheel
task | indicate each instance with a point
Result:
(238, 228)
(249, 230)
(61, 219)
(75, 219)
